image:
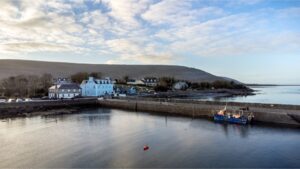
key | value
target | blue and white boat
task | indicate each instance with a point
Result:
(238, 117)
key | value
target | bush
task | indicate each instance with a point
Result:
(79, 77)
(160, 88)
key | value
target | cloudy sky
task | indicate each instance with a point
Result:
(254, 41)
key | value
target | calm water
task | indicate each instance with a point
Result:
(114, 138)
(271, 94)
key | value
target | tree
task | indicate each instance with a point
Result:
(126, 78)
(46, 82)
(24, 86)
(167, 82)
(160, 88)
(96, 75)
(79, 77)
(205, 85)
(195, 85)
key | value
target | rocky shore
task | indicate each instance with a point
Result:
(54, 107)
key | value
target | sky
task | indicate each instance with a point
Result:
(253, 41)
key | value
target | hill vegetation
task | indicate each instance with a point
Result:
(56, 69)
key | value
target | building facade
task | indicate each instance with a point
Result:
(135, 82)
(150, 81)
(97, 87)
(180, 86)
(64, 91)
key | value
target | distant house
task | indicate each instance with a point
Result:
(180, 85)
(61, 80)
(97, 87)
(64, 91)
(150, 81)
(135, 82)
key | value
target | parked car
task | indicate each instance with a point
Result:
(2, 100)
(28, 100)
(18, 100)
(11, 100)
(122, 95)
(45, 98)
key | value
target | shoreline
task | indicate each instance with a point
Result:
(25, 109)
(208, 93)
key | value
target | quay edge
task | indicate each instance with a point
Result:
(267, 113)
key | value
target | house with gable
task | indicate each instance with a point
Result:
(97, 87)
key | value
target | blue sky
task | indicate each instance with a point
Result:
(254, 41)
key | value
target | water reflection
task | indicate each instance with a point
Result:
(265, 94)
(96, 138)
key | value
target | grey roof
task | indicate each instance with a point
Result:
(69, 86)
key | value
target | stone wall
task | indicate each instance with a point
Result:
(19, 109)
(272, 113)
(283, 114)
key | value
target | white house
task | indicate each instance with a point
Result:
(97, 87)
(61, 81)
(64, 91)
(150, 81)
(135, 82)
(180, 85)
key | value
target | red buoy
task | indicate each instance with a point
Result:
(146, 147)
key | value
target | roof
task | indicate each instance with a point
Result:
(97, 81)
(152, 78)
(70, 86)
(66, 86)
(131, 80)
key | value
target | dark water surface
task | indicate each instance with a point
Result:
(115, 138)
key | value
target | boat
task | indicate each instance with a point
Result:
(241, 116)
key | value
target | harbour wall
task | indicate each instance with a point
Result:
(270, 113)
(22, 108)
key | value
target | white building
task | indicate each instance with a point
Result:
(97, 87)
(64, 91)
(180, 86)
(135, 82)
(150, 81)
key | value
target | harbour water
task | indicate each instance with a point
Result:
(268, 94)
(104, 138)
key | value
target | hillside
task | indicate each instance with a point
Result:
(58, 69)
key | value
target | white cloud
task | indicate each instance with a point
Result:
(179, 13)
(144, 31)
(126, 11)
(30, 47)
